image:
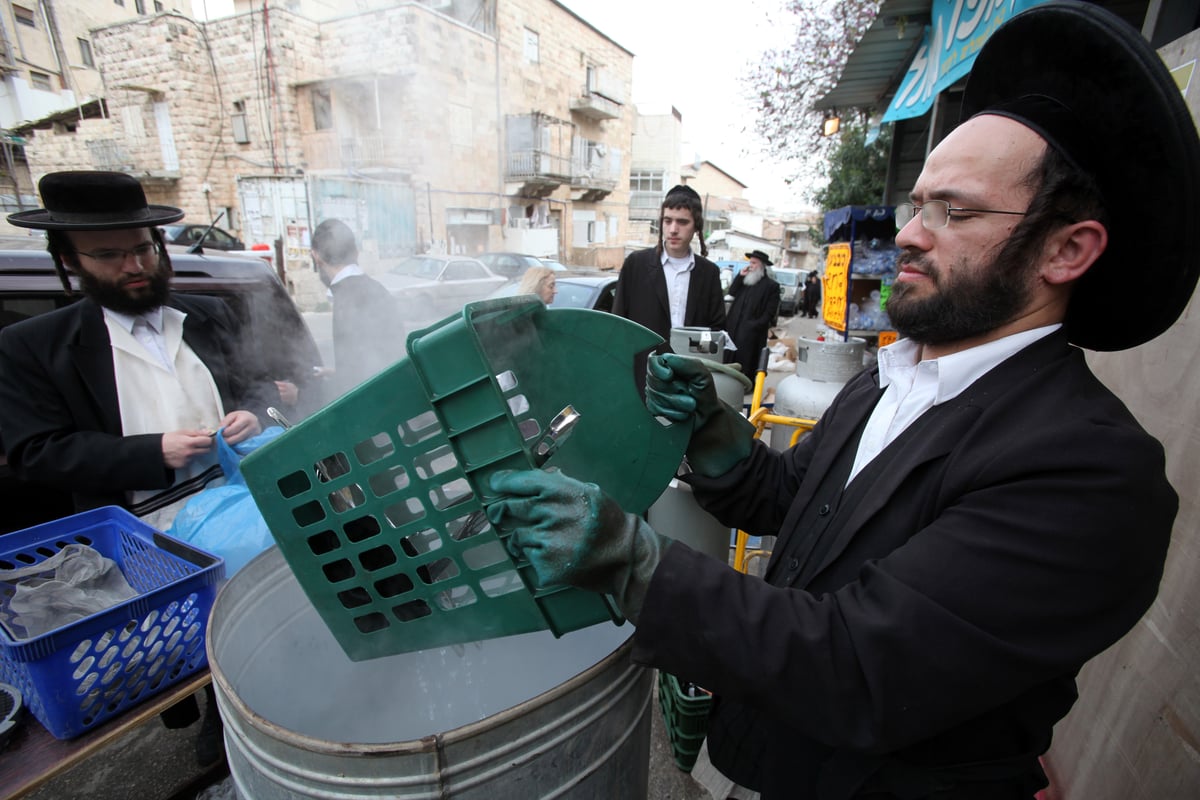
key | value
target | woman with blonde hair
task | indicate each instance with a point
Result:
(539, 281)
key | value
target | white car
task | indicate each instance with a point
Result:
(430, 287)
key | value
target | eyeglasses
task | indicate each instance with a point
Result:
(935, 214)
(115, 256)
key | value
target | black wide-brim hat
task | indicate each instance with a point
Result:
(1095, 90)
(761, 256)
(93, 201)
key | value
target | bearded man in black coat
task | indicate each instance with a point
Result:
(755, 308)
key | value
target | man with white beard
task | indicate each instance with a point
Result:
(755, 306)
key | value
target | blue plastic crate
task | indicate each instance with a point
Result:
(83, 673)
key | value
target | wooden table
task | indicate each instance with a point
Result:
(33, 756)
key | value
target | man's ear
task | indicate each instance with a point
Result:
(1071, 250)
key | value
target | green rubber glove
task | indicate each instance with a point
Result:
(573, 534)
(681, 388)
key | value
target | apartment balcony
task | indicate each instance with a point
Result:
(645, 205)
(540, 173)
(145, 162)
(331, 150)
(594, 174)
(595, 107)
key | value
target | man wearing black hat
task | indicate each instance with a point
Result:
(668, 286)
(115, 398)
(754, 310)
(974, 518)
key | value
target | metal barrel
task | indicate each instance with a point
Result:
(525, 716)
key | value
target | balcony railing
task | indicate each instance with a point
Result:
(333, 150)
(111, 155)
(530, 164)
(645, 205)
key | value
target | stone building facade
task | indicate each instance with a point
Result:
(479, 125)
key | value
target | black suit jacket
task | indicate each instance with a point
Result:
(1017, 531)
(59, 415)
(641, 296)
(367, 331)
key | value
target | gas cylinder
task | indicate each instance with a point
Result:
(822, 367)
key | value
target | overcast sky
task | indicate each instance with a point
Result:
(690, 55)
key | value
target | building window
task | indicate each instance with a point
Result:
(139, 6)
(322, 110)
(158, 7)
(24, 16)
(645, 181)
(40, 80)
(531, 46)
(85, 53)
(241, 132)
(121, 3)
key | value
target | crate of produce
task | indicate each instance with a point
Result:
(85, 672)
(685, 708)
(376, 501)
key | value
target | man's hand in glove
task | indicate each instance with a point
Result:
(679, 388)
(573, 534)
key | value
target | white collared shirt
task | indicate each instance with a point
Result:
(149, 334)
(678, 272)
(911, 388)
(347, 271)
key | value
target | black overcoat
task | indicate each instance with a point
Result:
(1005, 538)
(751, 315)
(641, 296)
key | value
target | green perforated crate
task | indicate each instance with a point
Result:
(685, 717)
(376, 501)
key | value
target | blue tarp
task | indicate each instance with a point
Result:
(870, 222)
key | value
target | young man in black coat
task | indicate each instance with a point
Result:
(668, 286)
(754, 310)
(974, 518)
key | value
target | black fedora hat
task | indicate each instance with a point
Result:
(93, 201)
(761, 256)
(1095, 90)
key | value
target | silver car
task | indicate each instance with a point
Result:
(791, 289)
(430, 287)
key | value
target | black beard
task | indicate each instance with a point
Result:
(117, 298)
(969, 304)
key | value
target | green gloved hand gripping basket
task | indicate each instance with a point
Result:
(376, 500)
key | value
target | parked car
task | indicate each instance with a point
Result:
(187, 235)
(513, 265)
(593, 290)
(280, 343)
(791, 289)
(430, 287)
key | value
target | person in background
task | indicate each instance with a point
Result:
(539, 281)
(975, 517)
(117, 397)
(668, 286)
(812, 295)
(755, 308)
(367, 335)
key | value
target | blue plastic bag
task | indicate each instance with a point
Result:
(224, 520)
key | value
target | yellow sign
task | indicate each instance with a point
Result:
(836, 285)
(886, 338)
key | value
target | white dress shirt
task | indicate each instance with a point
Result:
(678, 272)
(912, 387)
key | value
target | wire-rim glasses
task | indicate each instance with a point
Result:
(115, 256)
(935, 214)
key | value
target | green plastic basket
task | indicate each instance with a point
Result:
(376, 501)
(685, 718)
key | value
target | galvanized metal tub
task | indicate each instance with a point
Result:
(519, 717)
